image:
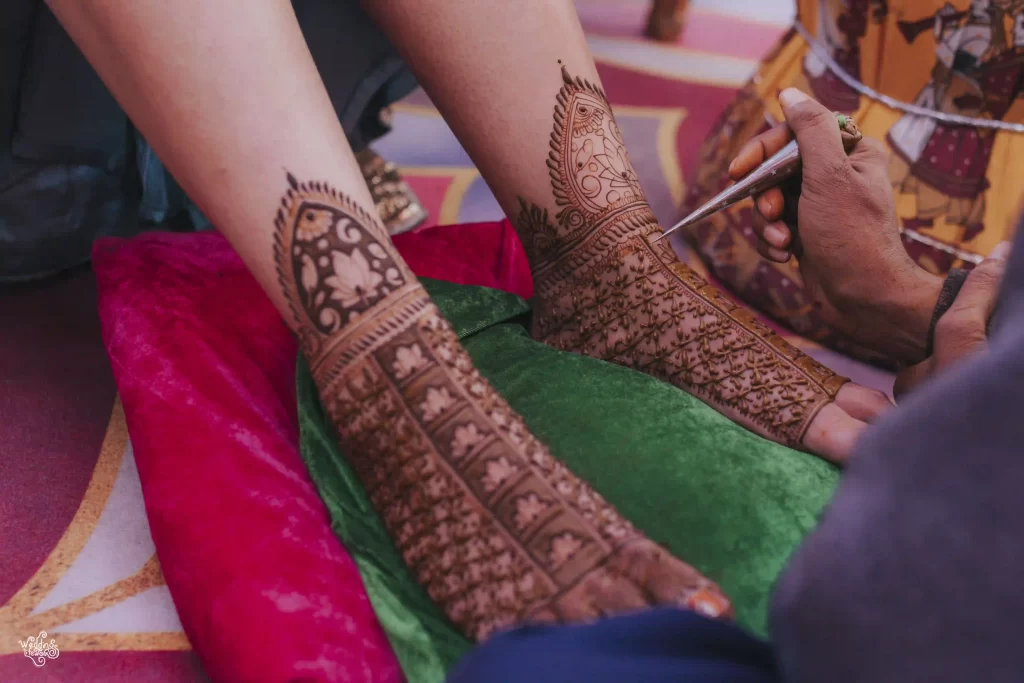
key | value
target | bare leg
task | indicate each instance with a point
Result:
(494, 528)
(527, 105)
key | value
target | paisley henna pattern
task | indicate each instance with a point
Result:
(606, 290)
(493, 527)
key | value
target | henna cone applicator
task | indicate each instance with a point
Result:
(779, 167)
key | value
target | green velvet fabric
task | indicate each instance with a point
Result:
(728, 502)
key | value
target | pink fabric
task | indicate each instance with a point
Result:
(205, 369)
(484, 254)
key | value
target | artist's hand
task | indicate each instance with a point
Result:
(841, 223)
(963, 330)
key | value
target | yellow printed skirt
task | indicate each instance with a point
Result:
(957, 187)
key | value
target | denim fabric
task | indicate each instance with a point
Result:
(664, 645)
(162, 197)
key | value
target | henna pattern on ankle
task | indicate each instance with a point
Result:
(606, 290)
(494, 528)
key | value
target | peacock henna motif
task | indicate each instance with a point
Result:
(493, 527)
(605, 289)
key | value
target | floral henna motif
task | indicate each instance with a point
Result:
(606, 290)
(491, 525)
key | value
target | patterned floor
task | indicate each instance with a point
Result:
(76, 557)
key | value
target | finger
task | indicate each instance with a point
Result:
(817, 134)
(757, 149)
(709, 601)
(1002, 251)
(911, 378)
(545, 616)
(833, 433)
(576, 607)
(664, 578)
(862, 403)
(777, 235)
(771, 253)
(977, 297)
(791, 201)
(870, 157)
(963, 330)
(771, 204)
(613, 594)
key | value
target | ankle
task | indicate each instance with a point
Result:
(561, 252)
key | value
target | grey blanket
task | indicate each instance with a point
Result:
(914, 575)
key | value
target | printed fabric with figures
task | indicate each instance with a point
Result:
(957, 188)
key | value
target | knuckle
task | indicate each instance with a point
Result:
(881, 197)
(869, 150)
(830, 182)
(874, 147)
(988, 272)
(874, 204)
(877, 153)
(980, 287)
(838, 172)
(956, 325)
(812, 116)
(879, 396)
(952, 350)
(950, 322)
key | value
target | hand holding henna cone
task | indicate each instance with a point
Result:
(775, 170)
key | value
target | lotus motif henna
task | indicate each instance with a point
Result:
(494, 528)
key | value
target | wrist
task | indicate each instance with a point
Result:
(893, 316)
(915, 297)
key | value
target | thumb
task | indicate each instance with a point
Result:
(964, 327)
(816, 131)
(978, 296)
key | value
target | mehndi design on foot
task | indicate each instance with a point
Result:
(495, 529)
(605, 290)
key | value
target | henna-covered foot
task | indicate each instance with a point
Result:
(495, 529)
(605, 289)
(637, 575)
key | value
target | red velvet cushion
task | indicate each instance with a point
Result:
(205, 369)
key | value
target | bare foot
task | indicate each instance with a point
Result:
(494, 528)
(605, 289)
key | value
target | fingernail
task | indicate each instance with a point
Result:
(775, 236)
(790, 97)
(732, 166)
(779, 255)
(1001, 251)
